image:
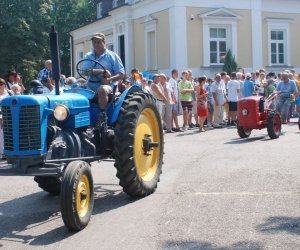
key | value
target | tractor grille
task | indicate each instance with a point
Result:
(7, 128)
(29, 128)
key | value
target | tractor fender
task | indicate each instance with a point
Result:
(119, 104)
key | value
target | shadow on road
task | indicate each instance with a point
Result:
(247, 140)
(109, 197)
(203, 245)
(20, 216)
(280, 224)
(193, 132)
(23, 218)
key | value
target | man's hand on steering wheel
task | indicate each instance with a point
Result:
(106, 77)
(103, 72)
(107, 74)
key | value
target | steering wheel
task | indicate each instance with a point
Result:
(85, 68)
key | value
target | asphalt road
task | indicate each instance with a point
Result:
(216, 192)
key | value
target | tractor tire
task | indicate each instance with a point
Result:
(49, 184)
(243, 133)
(138, 145)
(274, 125)
(77, 195)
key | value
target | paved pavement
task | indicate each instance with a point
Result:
(216, 192)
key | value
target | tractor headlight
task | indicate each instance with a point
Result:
(61, 112)
(245, 112)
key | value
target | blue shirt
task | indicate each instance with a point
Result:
(44, 74)
(209, 96)
(287, 88)
(110, 61)
(248, 88)
(134, 82)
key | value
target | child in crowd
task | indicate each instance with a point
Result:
(210, 104)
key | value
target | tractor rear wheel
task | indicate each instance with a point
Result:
(50, 184)
(139, 144)
(243, 132)
(274, 125)
(77, 195)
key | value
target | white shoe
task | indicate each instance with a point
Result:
(216, 125)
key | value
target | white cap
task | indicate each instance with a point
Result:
(248, 75)
(48, 62)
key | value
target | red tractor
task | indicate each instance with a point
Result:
(255, 112)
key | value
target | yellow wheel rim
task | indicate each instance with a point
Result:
(147, 126)
(83, 196)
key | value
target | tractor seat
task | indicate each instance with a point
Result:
(89, 94)
(95, 98)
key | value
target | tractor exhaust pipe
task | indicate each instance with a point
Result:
(55, 58)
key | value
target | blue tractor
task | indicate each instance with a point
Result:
(55, 138)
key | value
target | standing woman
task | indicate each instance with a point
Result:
(202, 109)
(3, 94)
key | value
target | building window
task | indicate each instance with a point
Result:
(79, 54)
(217, 45)
(151, 62)
(279, 41)
(277, 47)
(110, 47)
(115, 3)
(99, 10)
(151, 51)
(219, 35)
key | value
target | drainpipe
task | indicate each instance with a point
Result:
(71, 54)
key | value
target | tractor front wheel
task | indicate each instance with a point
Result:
(77, 195)
(243, 132)
(274, 125)
(139, 145)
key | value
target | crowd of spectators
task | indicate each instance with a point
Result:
(201, 101)
(213, 102)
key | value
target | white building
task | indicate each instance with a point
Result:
(159, 35)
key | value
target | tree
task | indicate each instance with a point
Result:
(25, 27)
(230, 64)
(68, 15)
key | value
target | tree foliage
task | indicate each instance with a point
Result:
(25, 27)
(230, 64)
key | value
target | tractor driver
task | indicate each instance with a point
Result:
(114, 70)
(287, 88)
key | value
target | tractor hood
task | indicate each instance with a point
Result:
(75, 102)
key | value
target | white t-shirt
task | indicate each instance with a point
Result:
(241, 87)
(232, 87)
(174, 86)
(219, 89)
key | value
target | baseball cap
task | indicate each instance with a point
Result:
(162, 75)
(248, 75)
(11, 73)
(48, 62)
(100, 36)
